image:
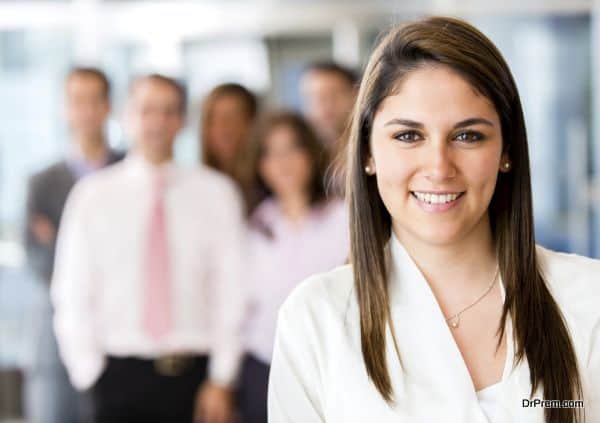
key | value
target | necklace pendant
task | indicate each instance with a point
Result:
(455, 322)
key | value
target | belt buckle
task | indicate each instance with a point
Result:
(171, 365)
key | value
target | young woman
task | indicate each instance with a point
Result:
(294, 232)
(448, 310)
(228, 114)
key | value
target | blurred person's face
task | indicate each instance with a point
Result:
(154, 119)
(436, 149)
(285, 166)
(327, 101)
(227, 129)
(87, 106)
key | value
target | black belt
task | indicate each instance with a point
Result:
(173, 365)
(167, 365)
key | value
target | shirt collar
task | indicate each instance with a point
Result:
(142, 168)
(80, 166)
(269, 214)
(407, 285)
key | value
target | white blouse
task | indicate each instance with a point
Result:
(318, 374)
(489, 401)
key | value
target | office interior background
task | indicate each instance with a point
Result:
(264, 44)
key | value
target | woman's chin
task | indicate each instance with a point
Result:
(435, 235)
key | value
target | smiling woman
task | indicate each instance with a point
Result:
(447, 300)
(436, 145)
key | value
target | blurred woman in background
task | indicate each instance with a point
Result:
(294, 231)
(228, 114)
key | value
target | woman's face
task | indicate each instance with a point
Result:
(285, 166)
(436, 149)
(228, 128)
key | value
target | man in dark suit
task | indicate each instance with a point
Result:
(49, 395)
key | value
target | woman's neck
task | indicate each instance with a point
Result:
(294, 205)
(454, 271)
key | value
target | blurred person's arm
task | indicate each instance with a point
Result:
(230, 302)
(72, 291)
(229, 307)
(40, 232)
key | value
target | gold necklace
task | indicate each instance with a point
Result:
(454, 320)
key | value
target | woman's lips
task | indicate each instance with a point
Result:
(437, 202)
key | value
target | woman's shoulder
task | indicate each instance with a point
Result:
(330, 291)
(570, 272)
(574, 281)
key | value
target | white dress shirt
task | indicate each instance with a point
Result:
(284, 256)
(98, 287)
(318, 374)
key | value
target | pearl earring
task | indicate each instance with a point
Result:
(369, 169)
(507, 166)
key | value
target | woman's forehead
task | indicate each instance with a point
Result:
(435, 95)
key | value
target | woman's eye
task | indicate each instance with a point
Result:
(469, 137)
(408, 136)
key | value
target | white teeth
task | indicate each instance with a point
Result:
(435, 198)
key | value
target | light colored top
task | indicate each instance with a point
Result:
(97, 289)
(489, 401)
(318, 374)
(282, 253)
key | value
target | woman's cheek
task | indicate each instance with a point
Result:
(483, 171)
(393, 189)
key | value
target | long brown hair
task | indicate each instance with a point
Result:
(540, 332)
(256, 190)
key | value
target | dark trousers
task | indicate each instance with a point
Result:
(254, 381)
(131, 391)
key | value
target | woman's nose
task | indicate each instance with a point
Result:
(438, 163)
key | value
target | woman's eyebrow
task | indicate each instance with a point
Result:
(405, 122)
(419, 125)
(473, 121)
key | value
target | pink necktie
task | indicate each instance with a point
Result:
(157, 318)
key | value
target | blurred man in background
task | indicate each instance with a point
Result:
(328, 91)
(49, 395)
(148, 273)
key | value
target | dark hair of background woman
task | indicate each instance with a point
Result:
(540, 331)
